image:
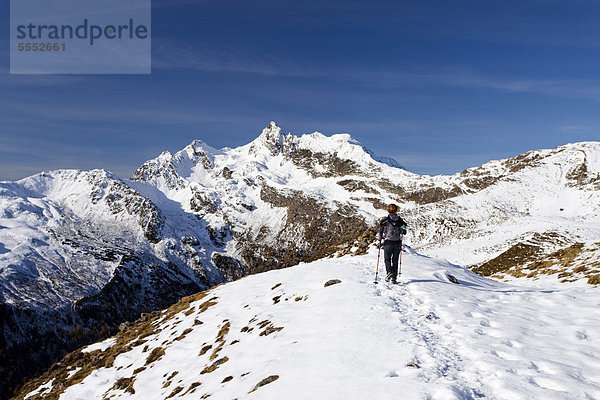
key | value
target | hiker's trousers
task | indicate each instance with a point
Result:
(391, 253)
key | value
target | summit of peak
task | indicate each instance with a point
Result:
(271, 132)
(164, 156)
(198, 146)
(271, 138)
(197, 143)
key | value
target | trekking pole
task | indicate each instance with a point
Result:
(400, 263)
(377, 269)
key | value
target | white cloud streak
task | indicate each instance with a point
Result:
(172, 55)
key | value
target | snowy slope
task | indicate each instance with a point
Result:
(426, 338)
(558, 191)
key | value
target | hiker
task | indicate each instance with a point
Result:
(391, 230)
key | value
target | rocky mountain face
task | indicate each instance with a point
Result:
(83, 251)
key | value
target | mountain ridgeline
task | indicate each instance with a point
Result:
(82, 252)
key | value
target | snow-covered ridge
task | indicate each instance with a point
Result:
(312, 152)
(292, 334)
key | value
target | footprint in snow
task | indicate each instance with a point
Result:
(542, 367)
(432, 317)
(504, 355)
(479, 331)
(547, 383)
(581, 335)
(512, 344)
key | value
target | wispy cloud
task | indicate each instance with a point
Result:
(575, 88)
(157, 114)
(171, 54)
(467, 78)
(576, 129)
(177, 55)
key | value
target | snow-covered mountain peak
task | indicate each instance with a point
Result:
(317, 142)
(270, 142)
(194, 154)
(593, 145)
(271, 133)
(57, 184)
(199, 147)
(336, 155)
(164, 156)
(343, 146)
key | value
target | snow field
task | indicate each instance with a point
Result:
(425, 338)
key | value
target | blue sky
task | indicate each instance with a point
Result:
(438, 85)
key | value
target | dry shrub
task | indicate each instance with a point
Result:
(125, 384)
(209, 303)
(204, 350)
(183, 304)
(270, 329)
(214, 365)
(155, 355)
(518, 255)
(223, 331)
(265, 381)
(264, 323)
(175, 391)
(594, 280)
(332, 282)
(192, 388)
(184, 334)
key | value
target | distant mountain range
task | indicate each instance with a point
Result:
(83, 251)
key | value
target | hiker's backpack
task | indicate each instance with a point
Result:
(393, 229)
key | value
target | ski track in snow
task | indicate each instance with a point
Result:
(425, 338)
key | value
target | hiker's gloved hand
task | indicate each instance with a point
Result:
(403, 231)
